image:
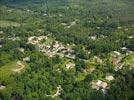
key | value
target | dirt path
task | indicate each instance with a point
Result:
(20, 66)
(57, 92)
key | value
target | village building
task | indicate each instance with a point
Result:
(9, 10)
(117, 53)
(119, 27)
(35, 40)
(64, 24)
(97, 59)
(119, 66)
(26, 59)
(73, 23)
(52, 49)
(2, 87)
(89, 70)
(124, 48)
(60, 15)
(130, 37)
(71, 56)
(109, 77)
(28, 10)
(93, 38)
(21, 50)
(70, 65)
(126, 29)
(14, 38)
(40, 30)
(117, 63)
(44, 14)
(1, 32)
(98, 84)
(98, 27)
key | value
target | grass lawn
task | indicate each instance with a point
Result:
(81, 76)
(7, 70)
(130, 59)
(4, 23)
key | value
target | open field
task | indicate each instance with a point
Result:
(4, 23)
(8, 69)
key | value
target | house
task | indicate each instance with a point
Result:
(21, 50)
(70, 65)
(40, 30)
(28, 10)
(103, 85)
(44, 14)
(64, 24)
(1, 32)
(35, 40)
(9, 10)
(124, 48)
(98, 84)
(98, 27)
(117, 63)
(93, 38)
(109, 77)
(119, 66)
(31, 38)
(60, 15)
(56, 45)
(71, 56)
(119, 27)
(73, 23)
(2, 87)
(94, 86)
(126, 29)
(97, 59)
(14, 38)
(27, 59)
(130, 37)
(117, 53)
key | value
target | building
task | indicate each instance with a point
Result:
(93, 38)
(117, 53)
(109, 77)
(27, 59)
(2, 87)
(1, 32)
(70, 65)
(21, 49)
(98, 84)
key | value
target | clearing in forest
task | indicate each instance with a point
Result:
(11, 68)
(4, 23)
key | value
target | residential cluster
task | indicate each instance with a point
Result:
(52, 49)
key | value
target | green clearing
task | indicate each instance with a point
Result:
(7, 70)
(49, 41)
(4, 23)
(81, 76)
(130, 59)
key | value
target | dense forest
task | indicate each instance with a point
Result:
(66, 50)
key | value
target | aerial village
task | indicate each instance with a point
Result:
(51, 47)
(54, 48)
